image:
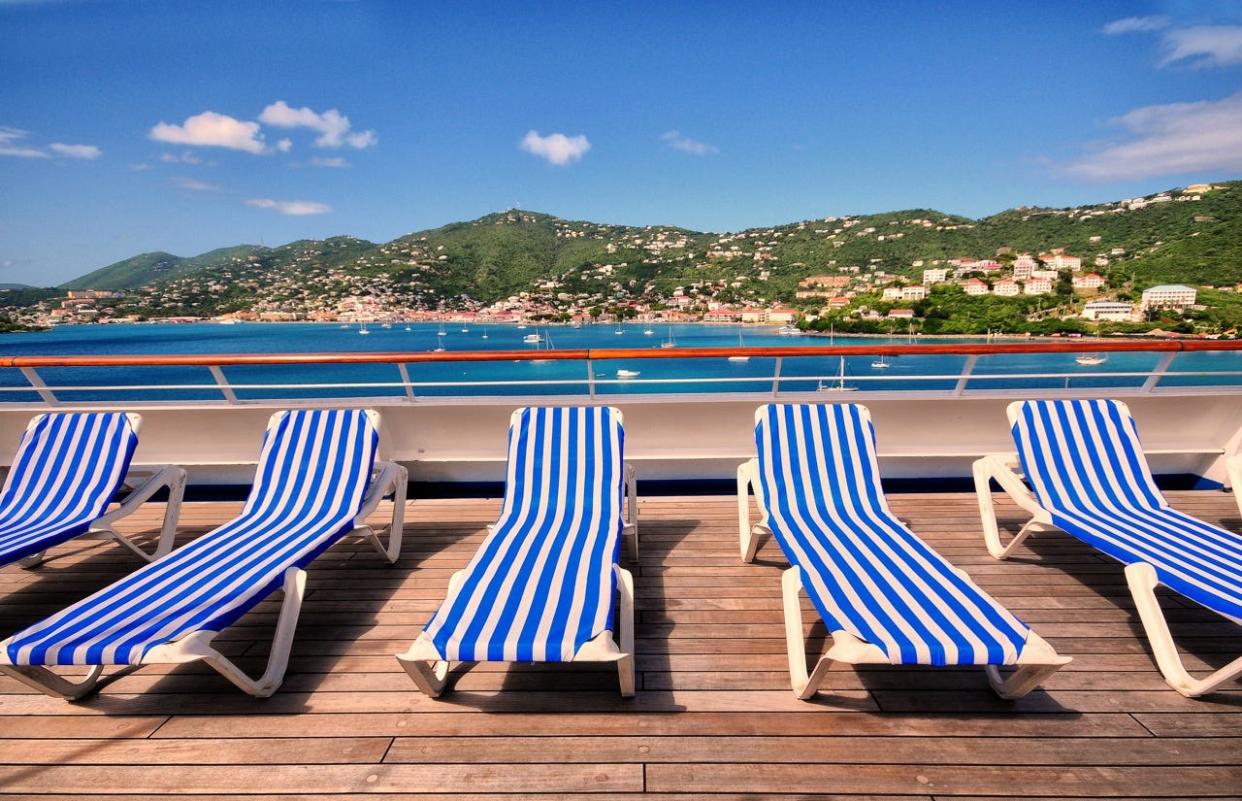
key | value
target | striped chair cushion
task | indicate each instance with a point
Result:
(541, 585)
(67, 469)
(865, 572)
(1086, 465)
(312, 474)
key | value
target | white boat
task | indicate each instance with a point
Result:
(788, 331)
(880, 364)
(386, 325)
(407, 328)
(671, 342)
(838, 385)
(227, 322)
(465, 330)
(740, 344)
(362, 329)
(533, 339)
(619, 331)
(343, 326)
(647, 332)
(1090, 359)
(628, 374)
(441, 332)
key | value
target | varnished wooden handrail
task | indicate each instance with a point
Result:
(604, 354)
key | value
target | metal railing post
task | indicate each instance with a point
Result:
(405, 380)
(1158, 372)
(776, 377)
(36, 381)
(968, 369)
(222, 383)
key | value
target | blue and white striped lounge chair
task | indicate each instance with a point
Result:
(315, 483)
(68, 468)
(1090, 478)
(541, 587)
(884, 595)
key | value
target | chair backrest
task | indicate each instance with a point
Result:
(314, 462)
(68, 466)
(570, 457)
(1083, 455)
(834, 444)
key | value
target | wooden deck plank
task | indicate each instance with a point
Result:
(714, 717)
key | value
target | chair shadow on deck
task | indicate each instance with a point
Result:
(1206, 640)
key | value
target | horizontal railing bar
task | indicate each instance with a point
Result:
(607, 354)
(755, 379)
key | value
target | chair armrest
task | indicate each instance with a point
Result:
(388, 476)
(167, 476)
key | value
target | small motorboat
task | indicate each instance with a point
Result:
(1091, 360)
(623, 374)
(532, 339)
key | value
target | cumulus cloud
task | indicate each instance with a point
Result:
(295, 208)
(556, 148)
(1136, 25)
(1203, 46)
(1170, 139)
(87, 152)
(333, 127)
(210, 129)
(329, 161)
(687, 145)
(195, 185)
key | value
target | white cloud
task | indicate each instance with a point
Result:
(296, 208)
(139, 167)
(195, 185)
(11, 144)
(1136, 25)
(284, 145)
(1203, 45)
(332, 126)
(187, 157)
(687, 145)
(210, 129)
(75, 151)
(329, 161)
(557, 148)
(1171, 139)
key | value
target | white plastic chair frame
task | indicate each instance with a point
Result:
(165, 476)
(388, 478)
(430, 673)
(1141, 577)
(1037, 661)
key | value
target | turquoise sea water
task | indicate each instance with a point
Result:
(528, 378)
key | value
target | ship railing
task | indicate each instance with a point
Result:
(779, 372)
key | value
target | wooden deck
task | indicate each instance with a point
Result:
(714, 713)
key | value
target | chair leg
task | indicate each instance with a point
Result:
(34, 560)
(625, 627)
(1020, 682)
(804, 686)
(1141, 577)
(48, 683)
(278, 660)
(429, 677)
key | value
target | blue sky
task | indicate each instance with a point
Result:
(183, 126)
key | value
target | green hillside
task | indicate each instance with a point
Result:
(1175, 236)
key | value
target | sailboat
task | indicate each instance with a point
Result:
(880, 364)
(839, 385)
(1091, 359)
(386, 325)
(546, 345)
(619, 330)
(740, 344)
(362, 329)
(647, 331)
(485, 333)
(407, 328)
(441, 332)
(671, 342)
